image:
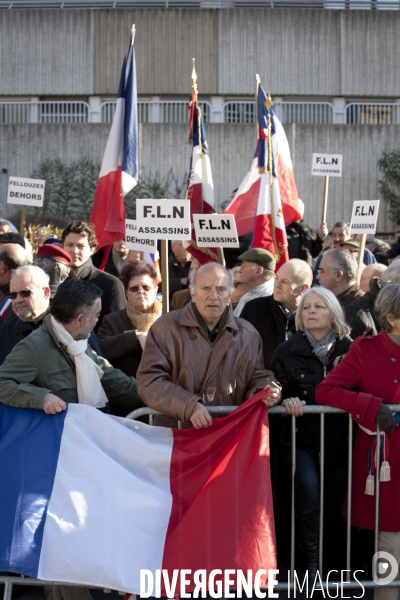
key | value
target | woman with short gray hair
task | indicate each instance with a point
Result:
(366, 380)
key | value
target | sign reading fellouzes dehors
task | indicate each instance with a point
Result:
(216, 230)
(327, 164)
(22, 190)
(134, 241)
(364, 217)
(163, 219)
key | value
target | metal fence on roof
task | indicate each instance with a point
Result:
(175, 111)
(213, 4)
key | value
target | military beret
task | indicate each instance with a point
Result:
(55, 252)
(260, 257)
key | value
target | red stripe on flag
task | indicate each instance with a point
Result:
(222, 512)
(108, 213)
(288, 191)
(198, 206)
(264, 238)
(244, 208)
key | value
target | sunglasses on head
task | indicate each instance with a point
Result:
(136, 288)
(23, 293)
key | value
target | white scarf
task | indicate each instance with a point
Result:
(88, 373)
(265, 289)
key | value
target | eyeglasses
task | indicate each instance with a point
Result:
(22, 293)
(137, 288)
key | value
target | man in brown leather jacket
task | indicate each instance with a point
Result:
(203, 356)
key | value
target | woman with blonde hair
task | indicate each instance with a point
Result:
(300, 364)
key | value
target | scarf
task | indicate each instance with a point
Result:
(265, 289)
(88, 373)
(143, 321)
(323, 349)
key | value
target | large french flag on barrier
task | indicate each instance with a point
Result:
(200, 190)
(91, 499)
(119, 169)
(256, 209)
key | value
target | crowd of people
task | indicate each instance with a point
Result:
(307, 334)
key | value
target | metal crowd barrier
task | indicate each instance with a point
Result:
(280, 587)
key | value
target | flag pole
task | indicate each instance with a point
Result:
(269, 104)
(325, 203)
(361, 258)
(256, 95)
(131, 39)
(164, 276)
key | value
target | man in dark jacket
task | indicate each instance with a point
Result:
(117, 259)
(273, 316)
(79, 240)
(29, 310)
(178, 268)
(304, 242)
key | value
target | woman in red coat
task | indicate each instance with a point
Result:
(362, 383)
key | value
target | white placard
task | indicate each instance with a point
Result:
(163, 219)
(216, 230)
(365, 216)
(327, 164)
(22, 190)
(133, 241)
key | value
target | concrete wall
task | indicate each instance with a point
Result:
(297, 52)
(163, 148)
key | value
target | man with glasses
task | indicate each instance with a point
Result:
(273, 316)
(338, 273)
(341, 233)
(257, 272)
(30, 299)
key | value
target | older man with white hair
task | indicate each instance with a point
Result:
(202, 355)
(30, 300)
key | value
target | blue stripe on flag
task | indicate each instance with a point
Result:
(29, 451)
(130, 154)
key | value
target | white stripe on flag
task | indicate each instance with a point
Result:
(106, 524)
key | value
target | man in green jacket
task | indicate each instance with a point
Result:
(55, 365)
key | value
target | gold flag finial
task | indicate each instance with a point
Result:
(194, 75)
(268, 103)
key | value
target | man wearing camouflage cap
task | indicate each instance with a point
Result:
(257, 272)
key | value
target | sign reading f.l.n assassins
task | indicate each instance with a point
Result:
(365, 216)
(327, 164)
(163, 219)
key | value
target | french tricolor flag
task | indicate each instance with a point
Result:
(200, 189)
(119, 169)
(91, 499)
(256, 209)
